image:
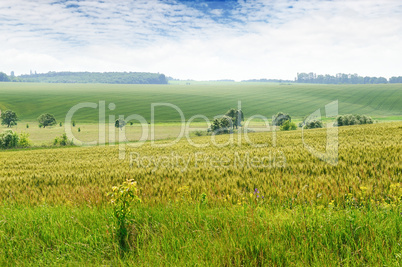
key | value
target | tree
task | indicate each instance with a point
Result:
(4, 77)
(222, 125)
(46, 120)
(236, 115)
(280, 118)
(9, 118)
(349, 119)
(120, 123)
(313, 124)
(288, 126)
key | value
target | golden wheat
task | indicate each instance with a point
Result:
(369, 170)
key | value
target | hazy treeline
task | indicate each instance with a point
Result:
(156, 78)
(342, 78)
(395, 79)
(268, 80)
(89, 77)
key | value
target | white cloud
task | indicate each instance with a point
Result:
(258, 39)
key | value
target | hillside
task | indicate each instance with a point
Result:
(30, 100)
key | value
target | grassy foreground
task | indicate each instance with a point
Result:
(185, 234)
(302, 211)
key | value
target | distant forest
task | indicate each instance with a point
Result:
(156, 78)
(89, 77)
(268, 81)
(342, 78)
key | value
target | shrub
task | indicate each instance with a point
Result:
(288, 126)
(313, 124)
(62, 141)
(27, 125)
(199, 133)
(8, 139)
(24, 140)
(120, 123)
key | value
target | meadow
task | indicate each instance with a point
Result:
(276, 205)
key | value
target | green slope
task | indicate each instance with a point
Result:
(30, 100)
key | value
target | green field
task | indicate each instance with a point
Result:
(30, 100)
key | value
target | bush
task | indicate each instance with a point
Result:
(62, 141)
(24, 140)
(8, 139)
(288, 126)
(199, 133)
(313, 124)
(280, 119)
(120, 123)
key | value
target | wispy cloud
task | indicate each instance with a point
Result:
(203, 39)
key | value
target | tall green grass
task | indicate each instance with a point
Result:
(185, 234)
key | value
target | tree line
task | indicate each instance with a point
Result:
(89, 77)
(156, 78)
(268, 81)
(342, 78)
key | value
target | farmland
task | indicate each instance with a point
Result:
(29, 100)
(247, 205)
(210, 99)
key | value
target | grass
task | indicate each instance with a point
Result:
(185, 235)
(90, 131)
(30, 100)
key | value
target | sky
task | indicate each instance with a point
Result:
(203, 40)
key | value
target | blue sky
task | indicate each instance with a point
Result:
(203, 40)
